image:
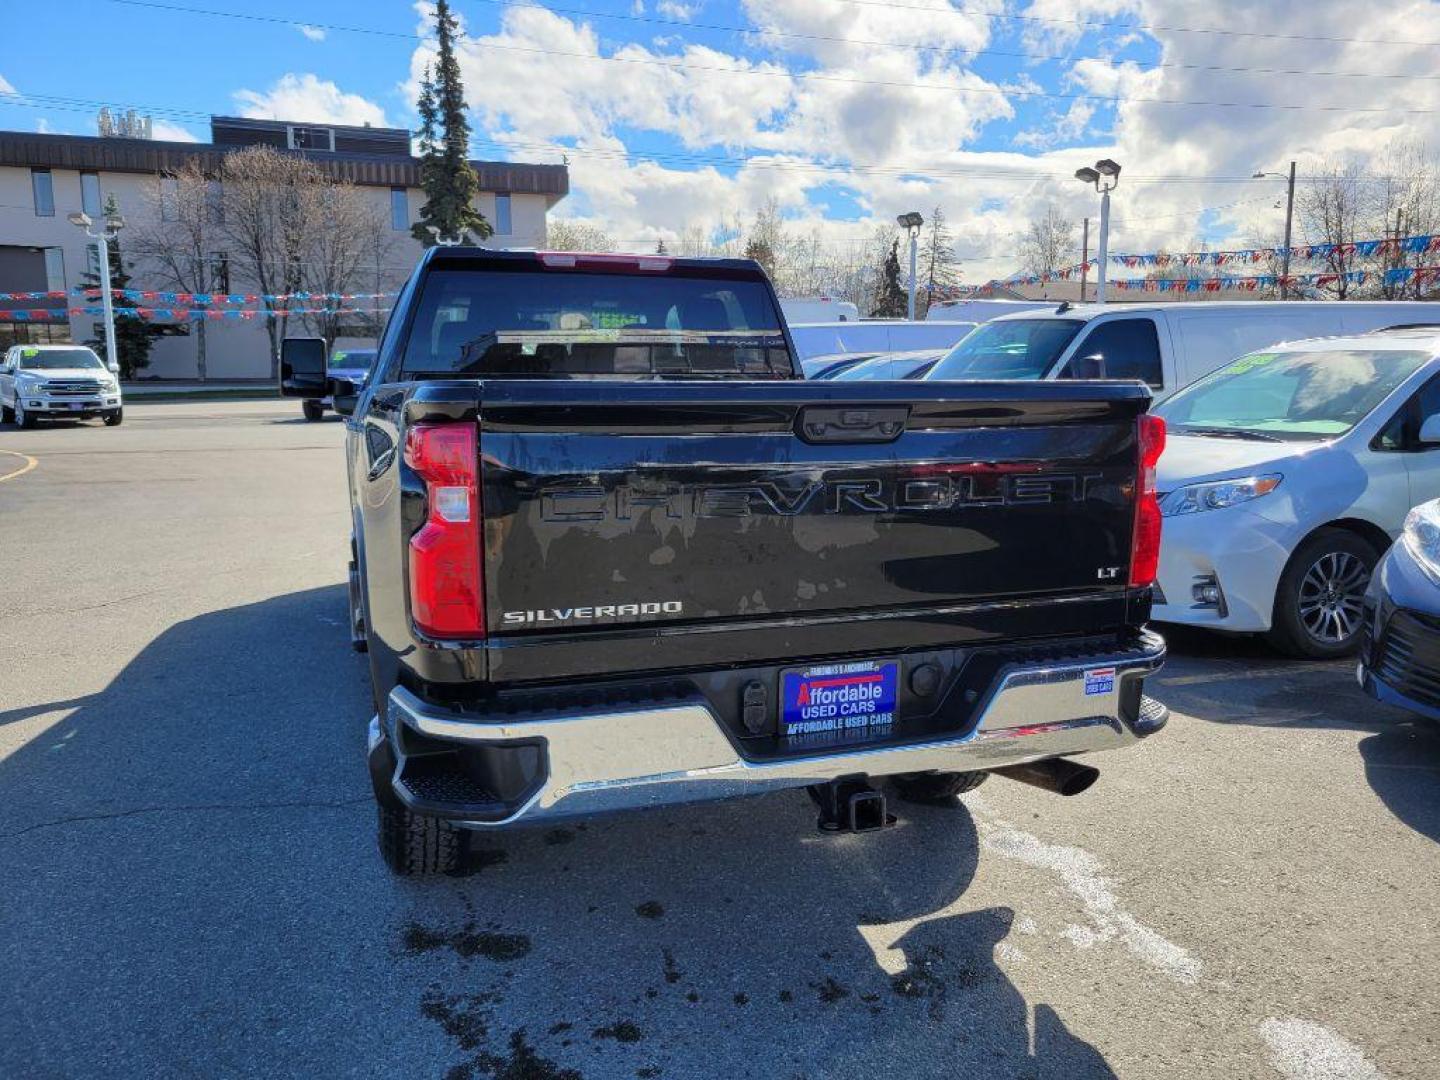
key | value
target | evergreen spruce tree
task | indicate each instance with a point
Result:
(891, 300)
(132, 337)
(446, 175)
(660, 248)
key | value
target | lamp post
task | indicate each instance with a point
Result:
(1106, 177)
(113, 224)
(1289, 221)
(912, 222)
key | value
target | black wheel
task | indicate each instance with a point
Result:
(112, 419)
(312, 409)
(22, 418)
(1318, 603)
(7, 414)
(936, 787)
(414, 844)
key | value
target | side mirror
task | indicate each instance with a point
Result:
(1430, 430)
(302, 368)
(1088, 367)
(343, 395)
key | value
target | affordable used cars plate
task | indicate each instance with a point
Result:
(838, 697)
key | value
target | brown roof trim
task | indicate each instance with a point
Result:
(25, 149)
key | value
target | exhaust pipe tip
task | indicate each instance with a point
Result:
(1053, 774)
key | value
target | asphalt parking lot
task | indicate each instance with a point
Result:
(189, 886)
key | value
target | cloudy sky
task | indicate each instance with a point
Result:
(678, 113)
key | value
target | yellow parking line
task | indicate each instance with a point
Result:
(30, 463)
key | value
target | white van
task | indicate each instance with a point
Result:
(981, 310)
(803, 309)
(1168, 345)
(874, 336)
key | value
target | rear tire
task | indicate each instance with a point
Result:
(312, 409)
(112, 419)
(1319, 596)
(413, 844)
(936, 787)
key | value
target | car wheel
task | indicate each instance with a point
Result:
(22, 418)
(414, 844)
(112, 419)
(1319, 602)
(312, 409)
(936, 787)
(7, 414)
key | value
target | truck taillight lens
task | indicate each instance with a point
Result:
(447, 594)
(1145, 543)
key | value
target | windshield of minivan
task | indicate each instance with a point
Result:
(557, 324)
(57, 359)
(1290, 396)
(1008, 349)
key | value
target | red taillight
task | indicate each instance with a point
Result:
(447, 594)
(570, 260)
(1145, 541)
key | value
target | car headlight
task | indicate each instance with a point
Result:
(1421, 537)
(1218, 494)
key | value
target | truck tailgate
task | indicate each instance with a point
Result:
(667, 504)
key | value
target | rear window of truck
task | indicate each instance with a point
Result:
(564, 324)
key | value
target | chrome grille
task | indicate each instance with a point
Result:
(73, 387)
(1409, 656)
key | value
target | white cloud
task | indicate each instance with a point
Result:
(168, 132)
(674, 10)
(849, 107)
(42, 125)
(6, 87)
(314, 33)
(308, 97)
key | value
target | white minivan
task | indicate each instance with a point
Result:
(1167, 345)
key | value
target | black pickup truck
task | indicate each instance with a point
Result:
(610, 551)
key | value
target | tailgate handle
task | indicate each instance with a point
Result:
(852, 423)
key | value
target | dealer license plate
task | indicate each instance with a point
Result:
(838, 697)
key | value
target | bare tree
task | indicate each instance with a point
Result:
(1404, 202)
(1048, 244)
(562, 235)
(179, 237)
(271, 203)
(937, 257)
(349, 240)
(1332, 210)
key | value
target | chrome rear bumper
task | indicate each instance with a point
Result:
(601, 760)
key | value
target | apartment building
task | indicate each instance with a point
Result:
(44, 178)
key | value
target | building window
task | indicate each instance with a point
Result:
(90, 200)
(44, 187)
(169, 198)
(502, 215)
(309, 138)
(215, 202)
(399, 209)
(219, 272)
(54, 269)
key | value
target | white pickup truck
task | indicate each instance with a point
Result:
(54, 382)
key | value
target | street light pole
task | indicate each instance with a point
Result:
(113, 224)
(913, 222)
(102, 246)
(1084, 258)
(1289, 223)
(1106, 177)
(1289, 220)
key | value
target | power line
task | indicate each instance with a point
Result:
(811, 76)
(1088, 24)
